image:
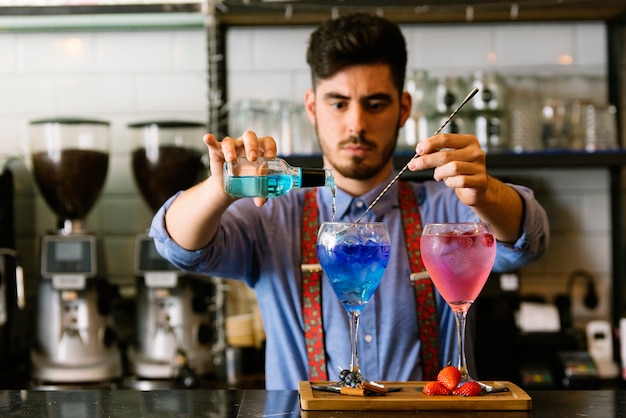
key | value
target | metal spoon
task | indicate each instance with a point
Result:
(443, 125)
(491, 389)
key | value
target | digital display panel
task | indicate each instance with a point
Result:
(148, 259)
(63, 255)
(68, 251)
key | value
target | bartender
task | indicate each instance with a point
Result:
(357, 106)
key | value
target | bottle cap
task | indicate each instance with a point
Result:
(312, 177)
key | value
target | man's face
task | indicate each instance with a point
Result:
(357, 114)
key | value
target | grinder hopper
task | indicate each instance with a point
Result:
(70, 158)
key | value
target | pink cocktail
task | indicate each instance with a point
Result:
(459, 258)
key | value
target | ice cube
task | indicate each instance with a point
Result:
(443, 246)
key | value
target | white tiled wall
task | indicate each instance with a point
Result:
(130, 75)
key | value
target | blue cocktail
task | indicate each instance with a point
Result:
(354, 257)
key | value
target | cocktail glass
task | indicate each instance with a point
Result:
(354, 257)
(459, 258)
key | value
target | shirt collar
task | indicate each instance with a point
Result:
(384, 205)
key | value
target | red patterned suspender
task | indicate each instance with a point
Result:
(312, 290)
(424, 289)
(311, 287)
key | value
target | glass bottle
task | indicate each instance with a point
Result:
(271, 178)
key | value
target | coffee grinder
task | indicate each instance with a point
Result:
(74, 340)
(177, 314)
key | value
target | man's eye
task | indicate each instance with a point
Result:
(338, 105)
(376, 105)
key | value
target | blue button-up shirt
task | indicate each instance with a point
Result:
(262, 247)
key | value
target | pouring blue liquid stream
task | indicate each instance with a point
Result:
(406, 166)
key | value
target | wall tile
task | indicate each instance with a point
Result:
(458, 46)
(262, 85)
(56, 52)
(588, 37)
(7, 51)
(280, 49)
(93, 94)
(564, 211)
(301, 84)
(533, 44)
(124, 214)
(238, 43)
(576, 179)
(8, 127)
(569, 252)
(189, 50)
(179, 92)
(34, 95)
(595, 212)
(135, 52)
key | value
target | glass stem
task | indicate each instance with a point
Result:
(354, 342)
(461, 317)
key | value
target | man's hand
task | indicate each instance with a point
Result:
(458, 161)
(248, 145)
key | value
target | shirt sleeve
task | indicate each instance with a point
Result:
(534, 239)
(166, 246)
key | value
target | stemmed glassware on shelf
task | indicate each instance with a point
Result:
(459, 258)
(353, 257)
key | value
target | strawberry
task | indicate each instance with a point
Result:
(449, 377)
(468, 389)
(488, 240)
(435, 388)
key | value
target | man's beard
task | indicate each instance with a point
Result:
(360, 168)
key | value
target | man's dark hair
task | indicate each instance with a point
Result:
(356, 39)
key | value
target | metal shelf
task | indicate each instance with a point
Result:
(285, 12)
(309, 12)
(544, 159)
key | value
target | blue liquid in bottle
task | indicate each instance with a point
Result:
(271, 178)
(268, 186)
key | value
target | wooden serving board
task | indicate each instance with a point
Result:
(411, 398)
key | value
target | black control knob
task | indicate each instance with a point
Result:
(110, 337)
(205, 334)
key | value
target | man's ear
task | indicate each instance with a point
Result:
(405, 107)
(309, 105)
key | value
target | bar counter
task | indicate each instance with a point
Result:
(225, 403)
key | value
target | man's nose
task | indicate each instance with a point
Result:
(356, 120)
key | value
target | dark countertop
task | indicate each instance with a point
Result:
(218, 403)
